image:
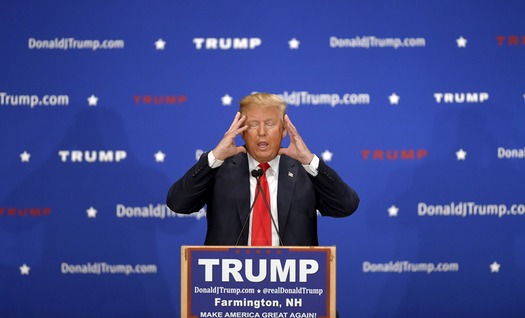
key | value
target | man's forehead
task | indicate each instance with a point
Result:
(262, 110)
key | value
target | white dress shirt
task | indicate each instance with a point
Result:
(272, 175)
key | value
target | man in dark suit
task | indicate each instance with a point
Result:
(299, 182)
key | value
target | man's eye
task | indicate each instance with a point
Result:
(270, 124)
(253, 125)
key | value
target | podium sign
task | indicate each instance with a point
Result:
(284, 282)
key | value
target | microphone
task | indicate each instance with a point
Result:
(257, 173)
(260, 173)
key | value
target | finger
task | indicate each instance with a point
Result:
(235, 130)
(289, 126)
(237, 115)
(240, 130)
(288, 120)
(231, 134)
(238, 122)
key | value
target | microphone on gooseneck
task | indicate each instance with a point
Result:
(256, 173)
(260, 173)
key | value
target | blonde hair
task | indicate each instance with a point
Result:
(263, 99)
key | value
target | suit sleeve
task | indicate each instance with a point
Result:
(334, 197)
(189, 193)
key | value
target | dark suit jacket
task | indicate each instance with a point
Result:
(226, 193)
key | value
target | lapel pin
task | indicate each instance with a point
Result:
(290, 174)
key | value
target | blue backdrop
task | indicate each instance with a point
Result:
(419, 105)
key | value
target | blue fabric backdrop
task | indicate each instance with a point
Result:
(419, 105)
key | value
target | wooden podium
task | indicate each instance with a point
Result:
(246, 281)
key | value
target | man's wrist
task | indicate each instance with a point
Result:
(313, 167)
(213, 162)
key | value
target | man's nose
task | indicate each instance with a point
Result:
(262, 129)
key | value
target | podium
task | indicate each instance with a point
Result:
(247, 281)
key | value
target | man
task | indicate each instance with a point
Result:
(299, 183)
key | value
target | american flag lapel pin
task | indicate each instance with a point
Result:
(290, 174)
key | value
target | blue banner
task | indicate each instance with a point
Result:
(258, 282)
(418, 105)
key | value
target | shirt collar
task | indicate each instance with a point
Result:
(274, 164)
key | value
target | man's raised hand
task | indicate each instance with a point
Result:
(297, 148)
(226, 147)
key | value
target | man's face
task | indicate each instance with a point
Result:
(265, 132)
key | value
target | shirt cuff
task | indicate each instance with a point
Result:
(214, 162)
(313, 167)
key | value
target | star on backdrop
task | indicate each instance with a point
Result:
(160, 156)
(294, 44)
(24, 156)
(461, 154)
(91, 212)
(160, 44)
(24, 269)
(494, 267)
(198, 154)
(394, 99)
(462, 42)
(226, 100)
(327, 155)
(392, 211)
(92, 100)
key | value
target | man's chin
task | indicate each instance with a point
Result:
(263, 156)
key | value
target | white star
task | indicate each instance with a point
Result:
(91, 212)
(160, 156)
(24, 269)
(461, 154)
(226, 100)
(92, 100)
(160, 44)
(462, 42)
(24, 156)
(394, 99)
(294, 44)
(494, 267)
(198, 154)
(392, 211)
(327, 155)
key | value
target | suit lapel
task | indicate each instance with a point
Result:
(287, 176)
(240, 180)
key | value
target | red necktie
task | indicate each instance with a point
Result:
(261, 221)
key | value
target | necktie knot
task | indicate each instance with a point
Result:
(264, 166)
